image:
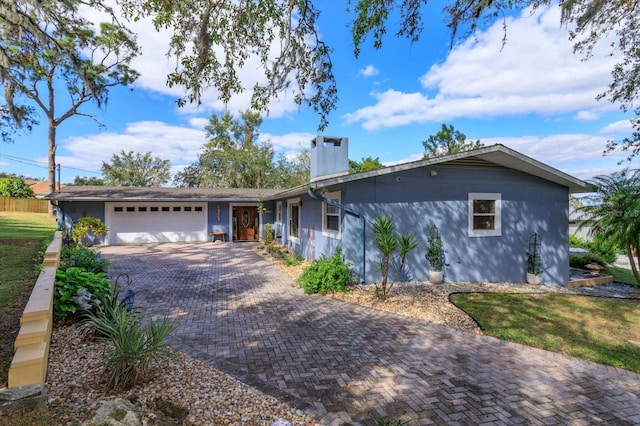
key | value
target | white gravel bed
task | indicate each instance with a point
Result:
(430, 302)
(76, 387)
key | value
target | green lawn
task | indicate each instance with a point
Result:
(622, 275)
(22, 236)
(606, 331)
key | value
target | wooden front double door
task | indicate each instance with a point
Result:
(245, 223)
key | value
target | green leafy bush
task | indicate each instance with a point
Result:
(604, 249)
(579, 261)
(327, 274)
(86, 229)
(267, 236)
(133, 345)
(83, 257)
(75, 289)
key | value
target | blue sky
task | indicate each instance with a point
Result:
(533, 95)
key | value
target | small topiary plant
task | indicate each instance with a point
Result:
(327, 274)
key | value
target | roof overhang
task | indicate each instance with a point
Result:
(129, 194)
(494, 155)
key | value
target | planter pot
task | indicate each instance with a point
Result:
(435, 277)
(534, 279)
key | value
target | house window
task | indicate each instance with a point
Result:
(279, 212)
(485, 214)
(331, 216)
(294, 218)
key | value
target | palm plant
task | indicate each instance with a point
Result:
(615, 212)
(387, 241)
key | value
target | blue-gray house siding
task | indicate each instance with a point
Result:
(415, 200)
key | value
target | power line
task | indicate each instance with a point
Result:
(33, 163)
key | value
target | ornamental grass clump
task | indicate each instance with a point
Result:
(133, 345)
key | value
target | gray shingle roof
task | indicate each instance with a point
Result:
(108, 193)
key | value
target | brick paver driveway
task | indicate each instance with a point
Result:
(346, 364)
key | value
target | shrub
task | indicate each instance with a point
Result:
(85, 230)
(133, 345)
(267, 236)
(603, 249)
(578, 261)
(435, 253)
(83, 257)
(76, 288)
(327, 274)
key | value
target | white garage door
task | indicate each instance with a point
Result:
(134, 223)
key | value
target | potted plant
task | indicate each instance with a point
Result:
(435, 255)
(535, 264)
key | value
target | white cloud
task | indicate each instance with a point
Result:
(410, 158)
(622, 126)
(179, 145)
(288, 141)
(586, 116)
(369, 71)
(154, 65)
(199, 122)
(581, 155)
(536, 72)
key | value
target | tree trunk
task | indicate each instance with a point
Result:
(52, 162)
(632, 261)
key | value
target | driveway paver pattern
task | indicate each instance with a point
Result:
(345, 364)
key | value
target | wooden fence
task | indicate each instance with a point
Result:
(31, 205)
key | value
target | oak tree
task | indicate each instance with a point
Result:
(136, 169)
(448, 141)
(53, 57)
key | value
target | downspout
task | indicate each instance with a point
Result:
(351, 212)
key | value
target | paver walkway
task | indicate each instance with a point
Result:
(345, 364)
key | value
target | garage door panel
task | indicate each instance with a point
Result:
(134, 223)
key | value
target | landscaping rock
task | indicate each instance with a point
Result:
(20, 398)
(118, 412)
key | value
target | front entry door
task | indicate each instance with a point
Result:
(245, 221)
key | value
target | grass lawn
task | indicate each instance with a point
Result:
(606, 331)
(622, 275)
(22, 236)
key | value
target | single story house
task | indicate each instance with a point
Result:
(485, 202)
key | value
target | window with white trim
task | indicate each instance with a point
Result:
(279, 212)
(331, 221)
(485, 214)
(293, 213)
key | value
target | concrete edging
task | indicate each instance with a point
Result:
(29, 364)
